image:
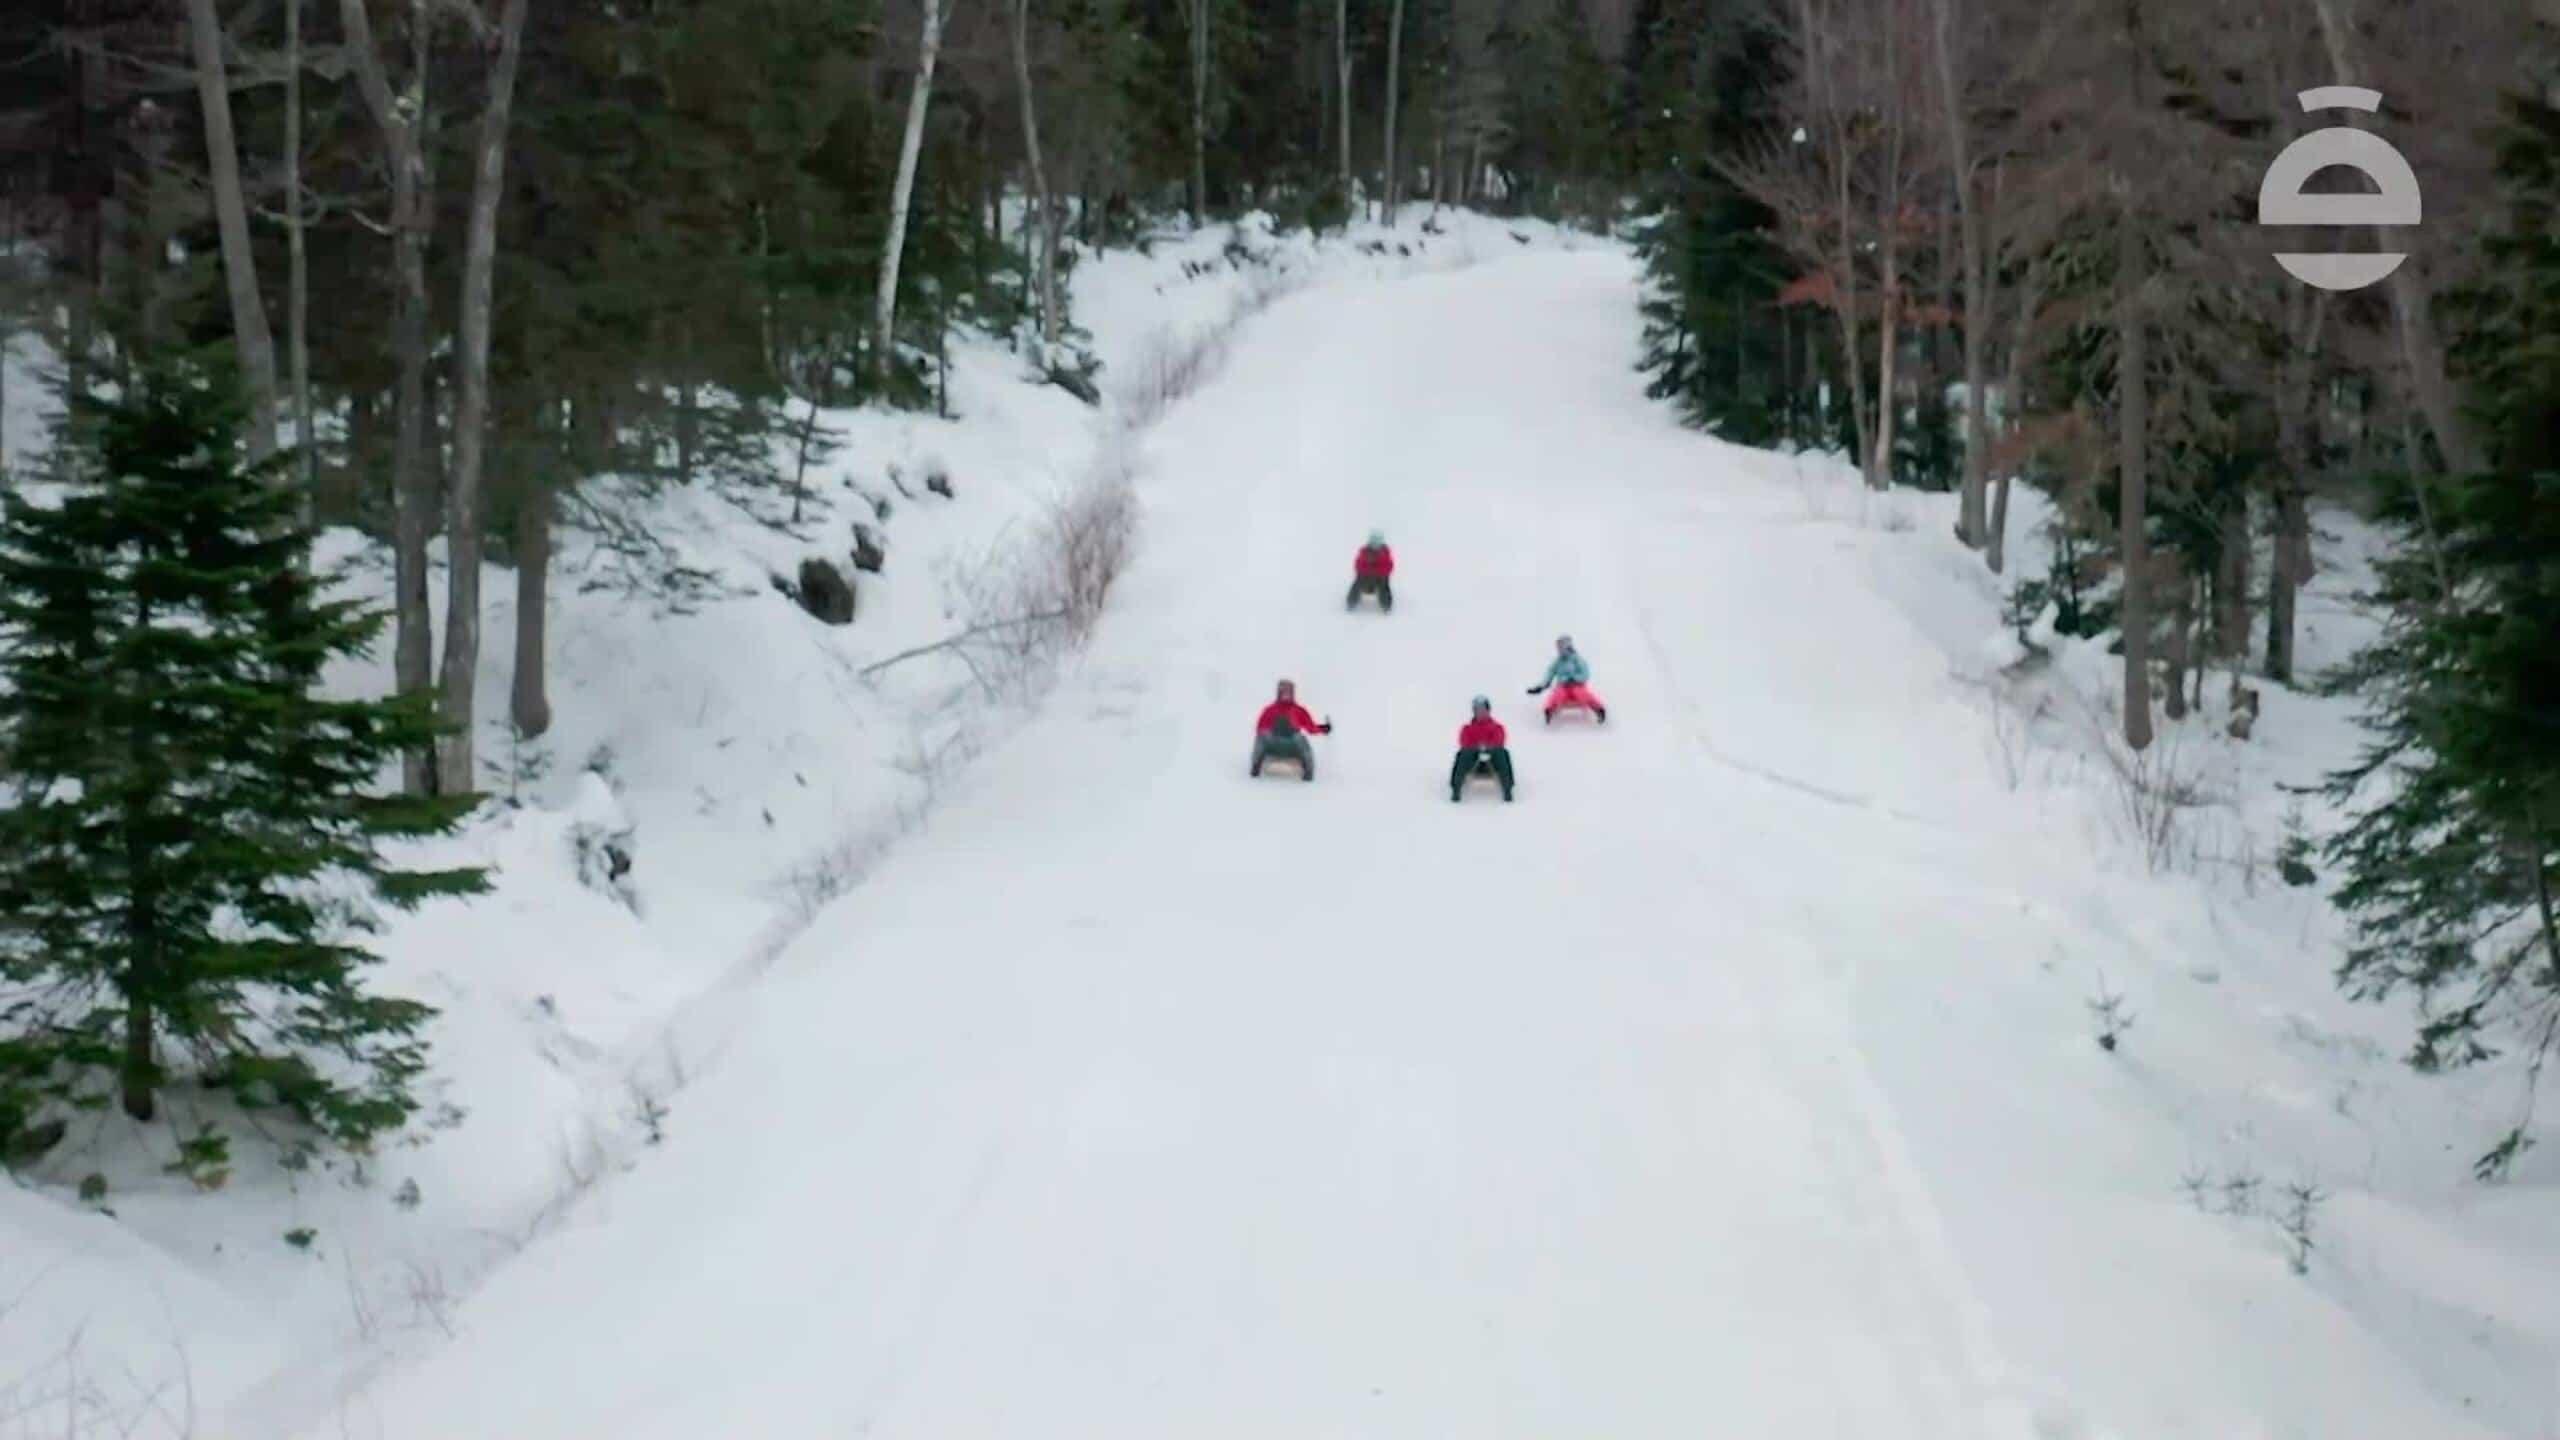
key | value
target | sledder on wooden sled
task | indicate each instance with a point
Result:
(1569, 680)
(1282, 732)
(1483, 753)
(1372, 573)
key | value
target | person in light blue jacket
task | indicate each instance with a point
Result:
(1569, 675)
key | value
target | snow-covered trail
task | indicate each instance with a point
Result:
(1137, 1098)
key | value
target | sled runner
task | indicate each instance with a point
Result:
(1577, 699)
(1567, 684)
(1481, 772)
(1484, 753)
(1372, 572)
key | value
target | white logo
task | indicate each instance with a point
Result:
(2281, 201)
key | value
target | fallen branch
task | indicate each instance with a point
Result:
(954, 642)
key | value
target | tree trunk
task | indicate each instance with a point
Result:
(1342, 92)
(2133, 423)
(530, 704)
(2292, 525)
(231, 215)
(1389, 182)
(298, 268)
(2421, 346)
(139, 1075)
(1888, 352)
(2182, 629)
(2231, 581)
(1199, 11)
(1045, 263)
(1889, 251)
(885, 319)
(456, 773)
(2030, 295)
(412, 485)
(2292, 567)
(1970, 520)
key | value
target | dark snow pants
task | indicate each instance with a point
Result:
(1370, 585)
(1498, 757)
(1290, 746)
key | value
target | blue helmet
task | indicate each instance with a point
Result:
(1480, 703)
(1377, 537)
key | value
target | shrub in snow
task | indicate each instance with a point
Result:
(824, 592)
(518, 763)
(2244, 710)
(868, 553)
(601, 841)
(2107, 1009)
(937, 478)
(2302, 1202)
(2293, 856)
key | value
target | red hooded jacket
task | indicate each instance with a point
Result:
(1374, 564)
(1483, 732)
(1297, 714)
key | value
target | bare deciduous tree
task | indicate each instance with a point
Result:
(1391, 170)
(1043, 231)
(456, 774)
(231, 215)
(402, 117)
(902, 191)
(1342, 92)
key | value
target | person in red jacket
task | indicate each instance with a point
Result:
(1482, 744)
(1282, 730)
(1371, 571)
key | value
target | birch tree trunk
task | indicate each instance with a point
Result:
(2133, 423)
(456, 774)
(1390, 175)
(402, 119)
(231, 215)
(1045, 263)
(885, 319)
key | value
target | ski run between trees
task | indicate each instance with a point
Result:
(1737, 1086)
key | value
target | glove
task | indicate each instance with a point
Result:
(1537, 689)
(1327, 727)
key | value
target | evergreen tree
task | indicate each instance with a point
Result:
(189, 857)
(2453, 857)
(1712, 343)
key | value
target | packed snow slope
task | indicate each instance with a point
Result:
(1722, 1085)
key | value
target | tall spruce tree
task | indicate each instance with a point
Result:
(1712, 336)
(190, 849)
(2452, 861)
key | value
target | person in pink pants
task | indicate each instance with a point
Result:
(1569, 678)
